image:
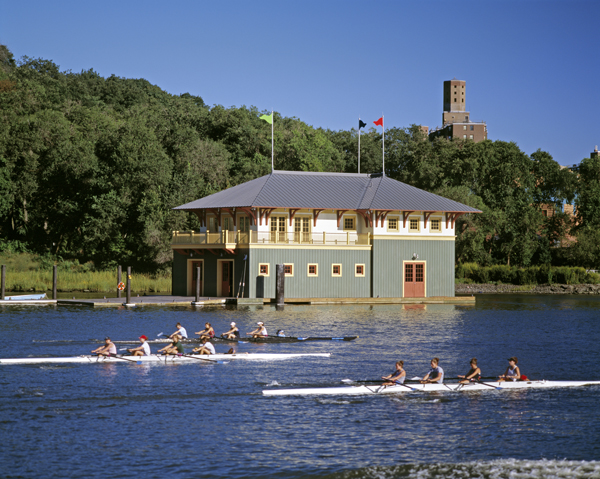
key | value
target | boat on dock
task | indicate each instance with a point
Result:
(420, 388)
(158, 358)
(25, 297)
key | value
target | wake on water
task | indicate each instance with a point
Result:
(500, 469)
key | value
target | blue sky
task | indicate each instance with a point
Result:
(532, 67)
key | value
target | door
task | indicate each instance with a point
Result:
(278, 229)
(302, 230)
(197, 264)
(414, 280)
(226, 278)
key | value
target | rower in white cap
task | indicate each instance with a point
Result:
(260, 332)
(233, 333)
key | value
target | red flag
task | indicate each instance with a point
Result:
(379, 122)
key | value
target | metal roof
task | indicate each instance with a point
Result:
(341, 191)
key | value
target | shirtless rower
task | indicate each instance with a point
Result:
(174, 348)
(233, 333)
(512, 372)
(260, 332)
(396, 377)
(207, 332)
(109, 348)
(206, 347)
(143, 349)
(180, 331)
(474, 373)
(435, 374)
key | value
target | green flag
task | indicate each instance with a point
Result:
(268, 118)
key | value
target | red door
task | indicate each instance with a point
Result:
(414, 280)
(226, 278)
(197, 264)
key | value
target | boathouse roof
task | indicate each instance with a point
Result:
(316, 190)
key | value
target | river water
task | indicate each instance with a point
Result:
(211, 420)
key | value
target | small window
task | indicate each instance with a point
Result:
(392, 224)
(413, 224)
(313, 269)
(263, 269)
(288, 269)
(470, 137)
(464, 127)
(463, 100)
(471, 128)
(455, 100)
(359, 270)
(349, 223)
(464, 137)
(336, 269)
(435, 225)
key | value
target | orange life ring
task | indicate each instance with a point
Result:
(121, 286)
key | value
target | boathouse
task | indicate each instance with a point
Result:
(338, 235)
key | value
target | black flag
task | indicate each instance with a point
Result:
(361, 124)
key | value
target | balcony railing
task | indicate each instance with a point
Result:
(266, 237)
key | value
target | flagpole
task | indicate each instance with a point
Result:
(383, 141)
(272, 143)
(359, 144)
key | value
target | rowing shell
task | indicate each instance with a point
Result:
(488, 386)
(156, 358)
(268, 339)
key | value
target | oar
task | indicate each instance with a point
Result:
(205, 359)
(123, 359)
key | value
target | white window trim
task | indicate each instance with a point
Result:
(268, 265)
(316, 265)
(336, 275)
(356, 275)
(288, 264)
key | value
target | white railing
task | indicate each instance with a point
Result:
(269, 237)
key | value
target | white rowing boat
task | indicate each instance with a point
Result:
(415, 387)
(157, 358)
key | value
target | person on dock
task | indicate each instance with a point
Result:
(180, 332)
(397, 376)
(260, 332)
(174, 348)
(143, 349)
(109, 348)
(206, 347)
(233, 333)
(474, 373)
(435, 374)
(512, 373)
(207, 332)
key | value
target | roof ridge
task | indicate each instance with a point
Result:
(364, 192)
(263, 186)
(378, 186)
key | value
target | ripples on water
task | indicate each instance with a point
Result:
(211, 420)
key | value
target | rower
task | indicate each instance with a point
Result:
(205, 348)
(174, 348)
(474, 373)
(181, 332)
(435, 374)
(143, 349)
(233, 333)
(109, 348)
(260, 332)
(397, 376)
(281, 333)
(207, 332)
(512, 372)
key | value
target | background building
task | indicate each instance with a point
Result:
(456, 120)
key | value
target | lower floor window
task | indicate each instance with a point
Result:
(336, 270)
(288, 269)
(360, 270)
(263, 269)
(313, 269)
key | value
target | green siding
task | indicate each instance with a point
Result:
(301, 285)
(388, 256)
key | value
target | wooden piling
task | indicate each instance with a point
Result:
(128, 285)
(197, 284)
(119, 273)
(280, 284)
(54, 282)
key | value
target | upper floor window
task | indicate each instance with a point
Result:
(349, 223)
(393, 224)
(413, 224)
(244, 224)
(435, 225)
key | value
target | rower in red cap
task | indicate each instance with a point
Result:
(143, 349)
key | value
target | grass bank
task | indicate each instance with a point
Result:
(467, 273)
(31, 273)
